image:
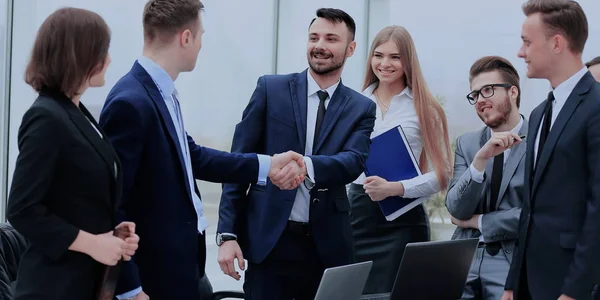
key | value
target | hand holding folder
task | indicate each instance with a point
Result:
(392, 159)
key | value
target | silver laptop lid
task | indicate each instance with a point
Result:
(344, 282)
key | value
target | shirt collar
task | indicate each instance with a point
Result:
(371, 88)
(161, 78)
(313, 87)
(563, 90)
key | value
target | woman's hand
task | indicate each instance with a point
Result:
(107, 248)
(378, 188)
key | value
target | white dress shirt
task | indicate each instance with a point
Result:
(301, 207)
(477, 175)
(561, 93)
(402, 112)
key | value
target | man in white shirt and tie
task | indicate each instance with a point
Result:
(290, 237)
(559, 231)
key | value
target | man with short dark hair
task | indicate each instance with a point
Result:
(486, 191)
(143, 121)
(559, 231)
(594, 67)
(290, 237)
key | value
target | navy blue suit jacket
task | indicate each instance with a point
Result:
(275, 121)
(559, 240)
(156, 193)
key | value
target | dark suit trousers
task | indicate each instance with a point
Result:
(292, 270)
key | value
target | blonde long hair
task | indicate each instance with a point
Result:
(431, 115)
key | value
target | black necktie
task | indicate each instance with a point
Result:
(496, 180)
(494, 247)
(320, 116)
(546, 125)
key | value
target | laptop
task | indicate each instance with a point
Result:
(344, 282)
(432, 270)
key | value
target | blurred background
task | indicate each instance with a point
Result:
(246, 39)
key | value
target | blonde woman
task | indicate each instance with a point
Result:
(395, 83)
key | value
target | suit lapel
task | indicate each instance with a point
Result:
(87, 130)
(334, 110)
(514, 158)
(164, 114)
(298, 93)
(535, 120)
(109, 155)
(564, 115)
(102, 147)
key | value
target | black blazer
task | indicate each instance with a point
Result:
(67, 178)
(559, 240)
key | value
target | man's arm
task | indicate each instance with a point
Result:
(224, 167)
(349, 163)
(123, 126)
(248, 137)
(464, 192)
(583, 272)
(500, 225)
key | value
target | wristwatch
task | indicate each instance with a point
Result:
(308, 182)
(222, 238)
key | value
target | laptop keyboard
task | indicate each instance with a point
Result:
(376, 297)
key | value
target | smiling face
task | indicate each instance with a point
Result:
(495, 110)
(329, 44)
(386, 63)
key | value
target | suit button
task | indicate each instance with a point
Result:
(316, 200)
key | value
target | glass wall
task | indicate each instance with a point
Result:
(5, 38)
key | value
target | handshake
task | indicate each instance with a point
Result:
(287, 170)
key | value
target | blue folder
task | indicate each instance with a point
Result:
(391, 158)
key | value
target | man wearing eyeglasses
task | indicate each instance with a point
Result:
(486, 191)
(594, 67)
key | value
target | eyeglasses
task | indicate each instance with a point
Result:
(486, 91)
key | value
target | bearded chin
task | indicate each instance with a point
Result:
(326, 69)
(506, 109)
(323, 70)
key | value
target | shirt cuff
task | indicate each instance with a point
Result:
(479, 226)
(130, 294)
(229, 234)
(476, 175)
(264, 165)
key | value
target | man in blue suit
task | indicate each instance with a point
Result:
(142, 120)
(290, 237)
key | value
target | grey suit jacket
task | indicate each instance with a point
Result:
(466, 197)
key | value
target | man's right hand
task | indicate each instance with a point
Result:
(508, 295)
(229, 251)
(287, 170)
(498, 143)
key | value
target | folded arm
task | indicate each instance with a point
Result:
(464, 190)
(500, 225)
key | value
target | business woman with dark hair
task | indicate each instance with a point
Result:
(67, 179)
